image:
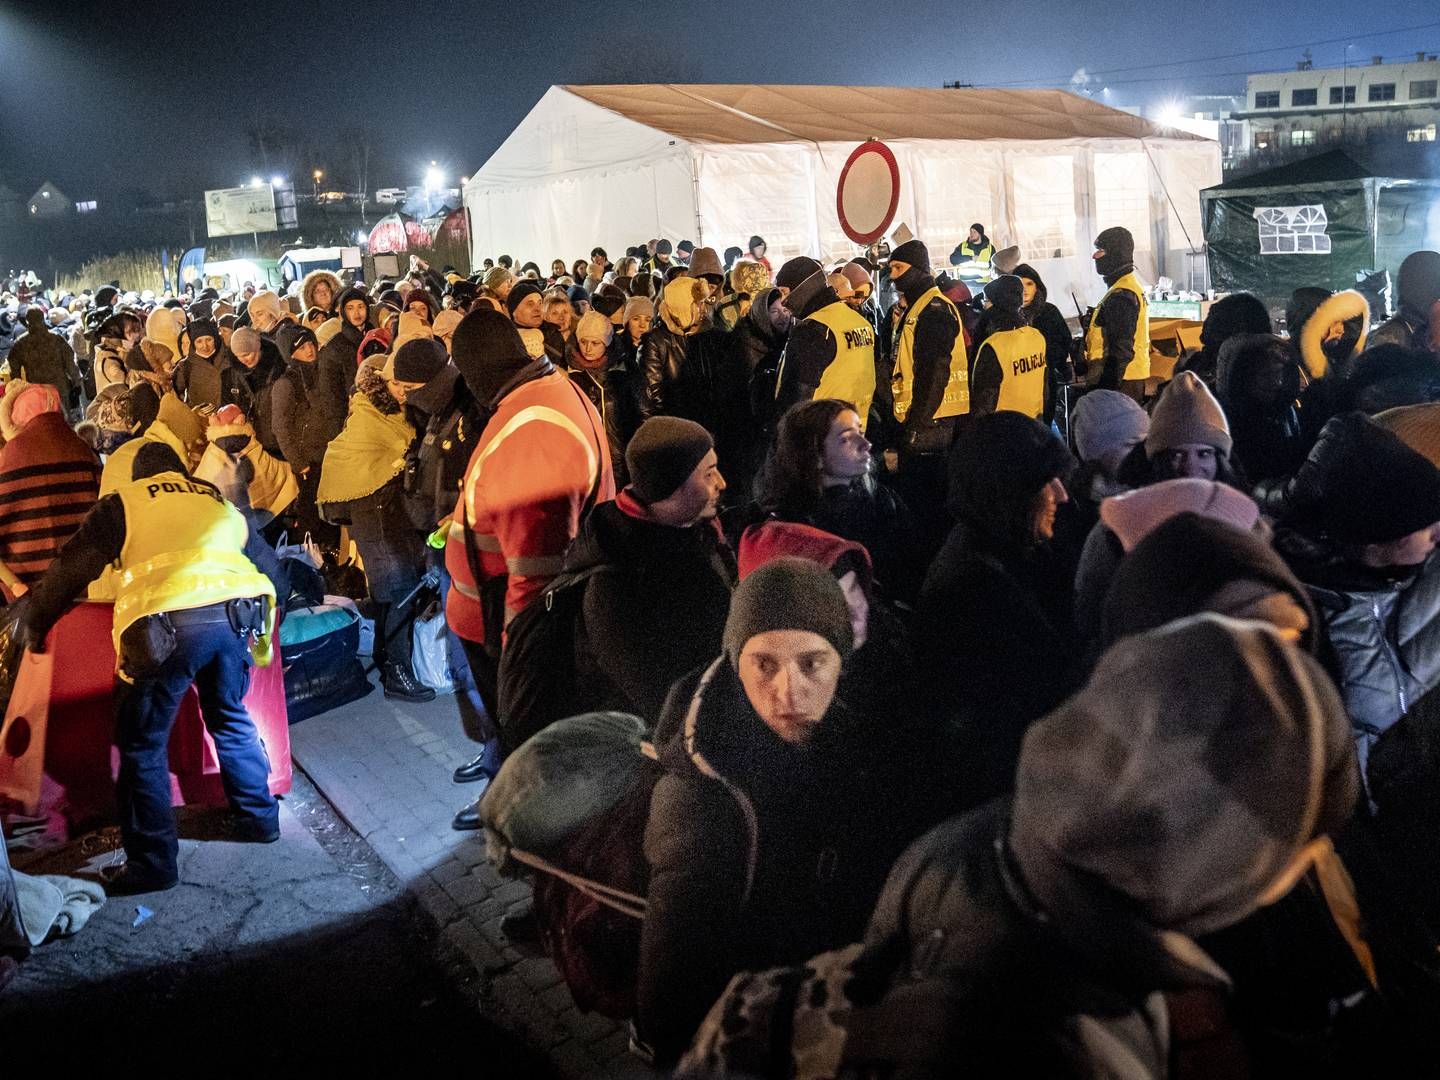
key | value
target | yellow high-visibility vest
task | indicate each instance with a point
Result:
(1139, 366)
(851, 375)
(184, 548)
(956, 401)
(1021, 353)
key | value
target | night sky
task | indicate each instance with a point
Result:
(134, 95)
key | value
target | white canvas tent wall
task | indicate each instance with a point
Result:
(1045, 169)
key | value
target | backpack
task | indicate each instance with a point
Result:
(537, 681)
(588, 924)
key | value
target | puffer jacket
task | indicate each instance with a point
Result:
(1383, 629)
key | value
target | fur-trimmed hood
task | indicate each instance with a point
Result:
(313, 278)
(1342, 307)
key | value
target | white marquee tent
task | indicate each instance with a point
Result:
(1045, 169)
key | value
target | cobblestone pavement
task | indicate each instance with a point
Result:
(385, 766)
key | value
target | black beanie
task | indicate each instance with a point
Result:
(789, 593)
(391, 298)
(519, 292)
(756, 241)
(155, 457)
(1006, 292)
(419, 360)
(491, 357)
(687, 246)
(732, 254)
(912, 253)
(795, 271)
(663, 248)
(662, 454)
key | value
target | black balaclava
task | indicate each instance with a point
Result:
(1119, 257)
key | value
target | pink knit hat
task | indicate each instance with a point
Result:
(1136, 514)
(32, 401)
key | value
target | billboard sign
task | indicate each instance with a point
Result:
(232, 211)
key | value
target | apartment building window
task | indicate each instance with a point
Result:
(1267, 99)
(1302, 138)
(1382, 91)
(1422, 88)
(1424, 134)
(1342, 95)
(86, 207)
(1303, 97)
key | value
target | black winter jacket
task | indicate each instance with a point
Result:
(761, 853)
(655, 614)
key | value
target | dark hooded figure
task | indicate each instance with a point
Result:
(1238, 313)
(1045, 317)
(197, 376)
(336, 360)
(758, 340)
(994, 631)
(1257, 383)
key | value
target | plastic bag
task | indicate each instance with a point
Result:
(307, 551)
(430, 650)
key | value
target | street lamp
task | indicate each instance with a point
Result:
(277, 181)
(255, 181)
(318, 174)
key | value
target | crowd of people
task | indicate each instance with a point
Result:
(1106, 754)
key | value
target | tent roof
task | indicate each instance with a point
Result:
(748, 113)
(1331, 167)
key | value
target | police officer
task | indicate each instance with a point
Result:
(830, 352)
(973, 256)
(1009, 370)
(1118, 337)
(191, 608)
(930, 374)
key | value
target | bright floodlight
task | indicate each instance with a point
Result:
(434, 178)
(277, 181)
(1169, 113)
(255, 181)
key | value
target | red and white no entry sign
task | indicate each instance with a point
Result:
(868, 192)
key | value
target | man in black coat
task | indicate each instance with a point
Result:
(658, 608)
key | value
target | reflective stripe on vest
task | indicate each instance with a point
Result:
(1139, 366)
(184, 548)
(956, 401)
(520, 419)
(851, 375)
(1021, 353)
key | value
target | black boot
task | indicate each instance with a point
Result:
(401, 685)
(482, 767)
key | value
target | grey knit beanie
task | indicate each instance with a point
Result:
(789, 594)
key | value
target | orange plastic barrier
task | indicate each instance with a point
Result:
(81, 762)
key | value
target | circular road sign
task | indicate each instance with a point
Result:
(868, 192)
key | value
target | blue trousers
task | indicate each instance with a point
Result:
(217, 661)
